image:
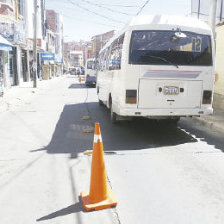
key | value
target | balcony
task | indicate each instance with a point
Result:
(7, 9)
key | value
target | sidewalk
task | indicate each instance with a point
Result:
(22, 94)
(214, 122)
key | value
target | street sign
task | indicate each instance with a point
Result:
(47, 56)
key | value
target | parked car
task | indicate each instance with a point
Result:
(90, 81)
(73, 71)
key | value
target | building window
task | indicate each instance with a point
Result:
(20, 7)
(9, 2)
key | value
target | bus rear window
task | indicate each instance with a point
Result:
(90, 65)
(170, 47)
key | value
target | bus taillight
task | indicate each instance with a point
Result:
(131, 96)
(207, 97)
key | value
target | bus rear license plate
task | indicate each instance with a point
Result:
(170, 90)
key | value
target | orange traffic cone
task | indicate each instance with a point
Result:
(100, 195)
(80, 79)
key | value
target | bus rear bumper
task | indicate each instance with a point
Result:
(164, 112)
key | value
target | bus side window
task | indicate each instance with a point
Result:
(112, 56)
(101, 60)
(107, 58)
(116, 53)
(104, 60)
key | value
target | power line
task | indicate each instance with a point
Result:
(112, 5)
(122, 6)
(101, 6)
(142, 7)
(103, 24)
(95, 13)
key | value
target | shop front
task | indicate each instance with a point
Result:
(5, 47)
(48, 65)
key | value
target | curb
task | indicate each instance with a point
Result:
(210, 124)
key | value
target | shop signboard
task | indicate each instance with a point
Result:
(7, 31)
(47, 56)
(19, 32)
(13, 32)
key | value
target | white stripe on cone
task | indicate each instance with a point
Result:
(96, 138)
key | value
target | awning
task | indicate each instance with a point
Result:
(4, 44)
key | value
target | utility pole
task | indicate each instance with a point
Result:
(220, 19)
(212, 15)
(199, 8)
(35, 46)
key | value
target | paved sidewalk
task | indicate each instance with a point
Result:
(18, 95)
(215, 121)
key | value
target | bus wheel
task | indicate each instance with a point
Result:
(113, 116)
(100, 102)
(175, 121)
(172, 122)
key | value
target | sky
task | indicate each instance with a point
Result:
(86, 18)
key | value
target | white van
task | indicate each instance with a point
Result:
(158, 67)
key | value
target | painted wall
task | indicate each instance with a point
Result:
(219, 85)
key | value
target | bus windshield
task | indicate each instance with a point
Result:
(170, 47)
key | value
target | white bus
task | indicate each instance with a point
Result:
(90, 67)
(160, 67)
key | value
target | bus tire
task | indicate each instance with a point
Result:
(100, 102)
(172, 122)
(113, 115)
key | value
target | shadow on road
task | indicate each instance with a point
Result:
(75, 208)
(139, 134)
(77, 86)
(68, 138)
(210, 136)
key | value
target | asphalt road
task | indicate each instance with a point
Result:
(159, 173)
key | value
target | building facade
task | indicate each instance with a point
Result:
(99, 41)
(76, 53)
(16, 26)
(11, 28)
(201, 10)
(54, 25)
(17, 41)
(41, 35)
(76, 58)
(219, 68)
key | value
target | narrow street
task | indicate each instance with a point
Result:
(159, 174)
